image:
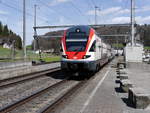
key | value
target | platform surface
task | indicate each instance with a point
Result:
(139, 75)
(102, 95)
(22, 70)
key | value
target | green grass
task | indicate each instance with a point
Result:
(5, 56)
(118, 45)
(147, 47)
(51, 59)
(29, 47)
(4, 52)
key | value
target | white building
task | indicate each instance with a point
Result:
(134, 53)
(5, 45)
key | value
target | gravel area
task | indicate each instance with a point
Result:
(24, 77)
(13, 94)
(38, 104)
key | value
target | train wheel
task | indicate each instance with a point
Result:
(97, 68)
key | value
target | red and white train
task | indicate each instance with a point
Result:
(82, 49)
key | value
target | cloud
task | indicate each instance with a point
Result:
(61, 20)
(110, 11)
(3, 12)
(120, 20)
(119, 0)
(143, 9)
(138, 19)
(56, 2)
(118, 10)
(143, 20)
(4, 20)
(123, 11)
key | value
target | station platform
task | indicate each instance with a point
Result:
(15, 71)
(137, 84)
(139, 74)
(101, 95)
(109, 97)
(8, 65)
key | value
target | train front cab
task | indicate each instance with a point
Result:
(78, 50)
(82, 53)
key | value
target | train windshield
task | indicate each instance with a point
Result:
(75, 35)
(76, 46)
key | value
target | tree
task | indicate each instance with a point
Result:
(10, 32)
(9, 36)
(5, 31)
(18, 42)
(1, 28)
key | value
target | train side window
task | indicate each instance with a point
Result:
(93, 47)
(99, 47)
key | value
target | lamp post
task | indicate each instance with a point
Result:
(24, 29)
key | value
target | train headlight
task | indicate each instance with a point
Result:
(64, 56)
(86, 56)
(77, 30)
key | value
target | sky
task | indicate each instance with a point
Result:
(65, 12)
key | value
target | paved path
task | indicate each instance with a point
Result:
(139, 75)
(102, 95)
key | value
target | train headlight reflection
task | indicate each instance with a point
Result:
(86, 56)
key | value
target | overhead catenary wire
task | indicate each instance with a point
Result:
(93, 2)
(46, 5)
(68, 18)
(89, 4)
(80, 12)
(20, 10)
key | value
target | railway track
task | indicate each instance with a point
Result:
(21, 79)
(47, 99)
(34, 63)
(71, 93)
(42, 97)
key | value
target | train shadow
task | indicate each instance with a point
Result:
(77, 76)
(84, 74)
(57, 75)
(80, 76)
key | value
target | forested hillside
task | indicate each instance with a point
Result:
(145, 34)
(7, 36)
(143, 31)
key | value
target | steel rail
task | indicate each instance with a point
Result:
(9, 108)
(24, 78)
(73, 90)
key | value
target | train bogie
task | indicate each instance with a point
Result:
(79, 66)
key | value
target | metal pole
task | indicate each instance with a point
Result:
(132, 21)
(24, 29)
(117, 47)
(96, 15)
(35, 32)
(35, 6)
